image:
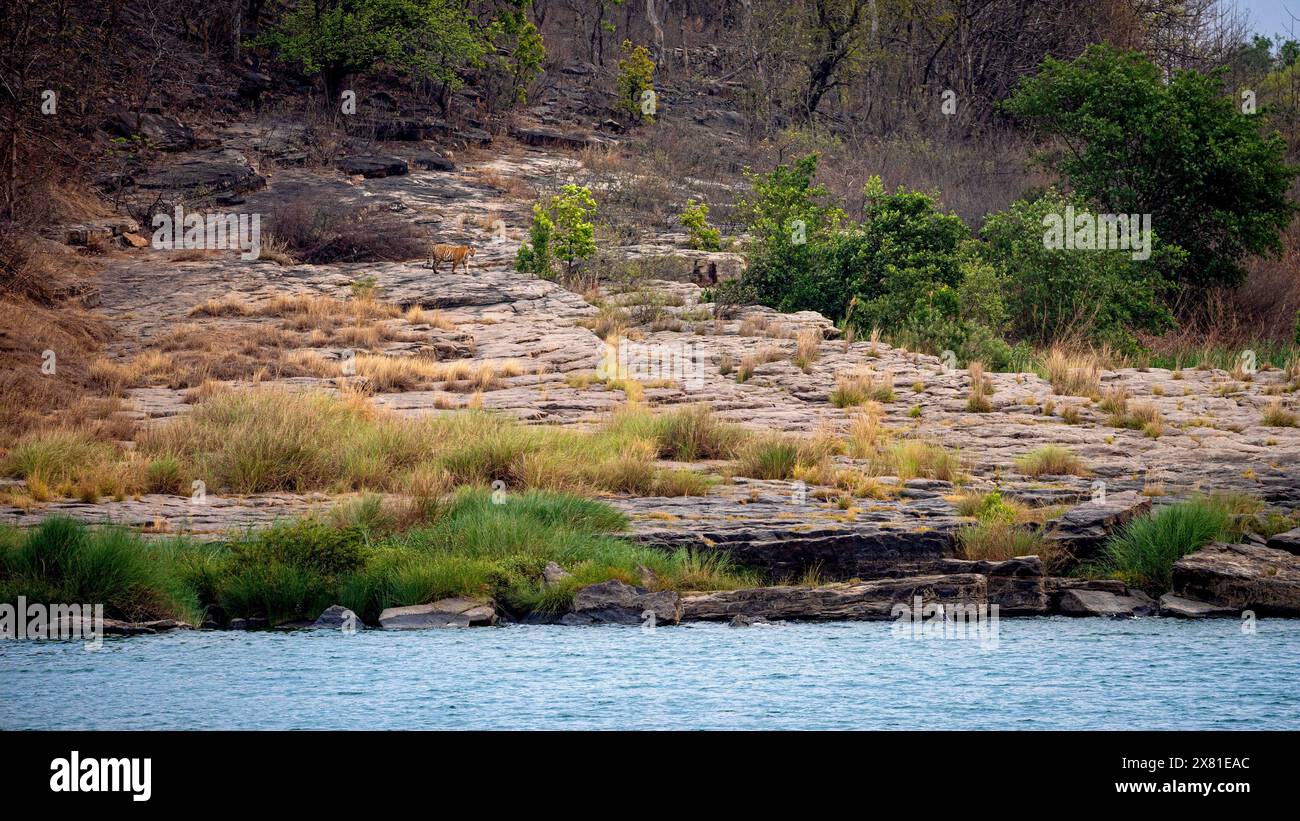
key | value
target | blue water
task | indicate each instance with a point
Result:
(1043, 673)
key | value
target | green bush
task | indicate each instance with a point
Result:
(700, 235)
(635, 77)
(535, 256)
(1174, 147)
(1049, 292)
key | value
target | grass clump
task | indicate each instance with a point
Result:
(62, 561)
(1276, 416)
(997, 540)
(1051, 460)
(857, 387)
(1143, 553)
(978, 401)
(1072, 374)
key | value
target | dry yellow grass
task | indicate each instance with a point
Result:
(1073, 374)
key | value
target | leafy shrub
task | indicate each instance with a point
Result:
(635, 77)
(701, 235)
(535, 256)
(1102, 294)
(1144, 143)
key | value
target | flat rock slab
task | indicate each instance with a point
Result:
(1241, 577)
(614, 602)
(759, 525)
(372, 167)
(444, 613)
(864, 601)
(1083, 529)
(1179, 607)
(1288, 541)
(1082, 602)
(172, 515)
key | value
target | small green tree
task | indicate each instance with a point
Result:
(575, 235)
(562, 229)
(535, 257)
(1180, 150)
(636, 78)
(700, 235)
(519, 46)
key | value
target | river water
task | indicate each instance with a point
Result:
(1049, 673)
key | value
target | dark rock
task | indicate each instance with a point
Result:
(1086, 527)
(372, 166)
(252, 623)
(337, 617)
(1241, 577)
(452, 612)
(614, 602)
(747, 621)
(1084, 602)
(433, 162)
(1288, 541)
(543, 136)
(216, 170)
(874, 600)
(1016, 585)
(1177, 606)
(163, 133)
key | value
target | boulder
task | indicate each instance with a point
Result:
(337, 617)
(1241, 577)
(1084, 602)
(163, 133)
(543, 136)
(433, 162)
(1085, 528)
(452, 612)
(747, 621)
(373, 166)
(216, 170)
(614, 602)
(1288, 541)
(554, 574)
(873, 600)
(1178, 607)
(1016, 585)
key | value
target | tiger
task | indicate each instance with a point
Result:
(458, 254)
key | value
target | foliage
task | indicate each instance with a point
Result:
(701, 235)
(519, 46)
(1051, 292)
(535, 257)
(635, 78)
(1180, 150)
(432, 39)
(1144, 552)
